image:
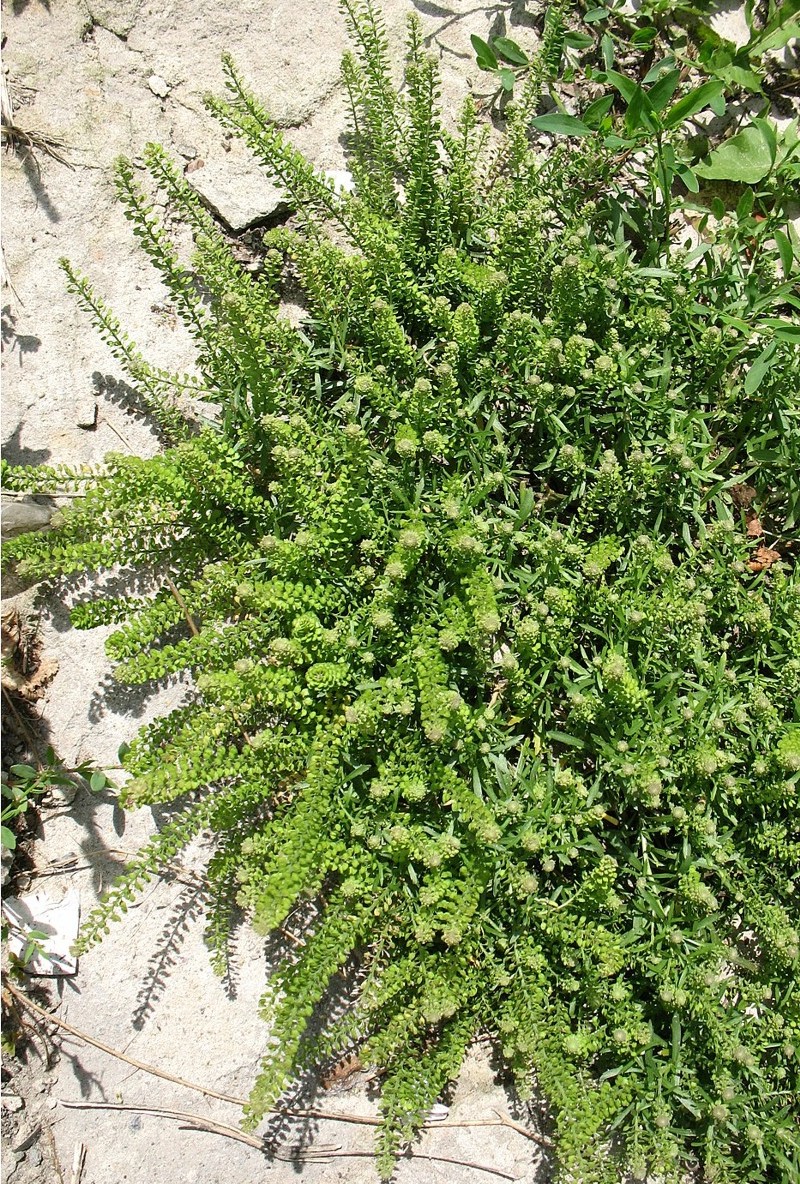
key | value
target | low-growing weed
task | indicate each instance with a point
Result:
(485, 577)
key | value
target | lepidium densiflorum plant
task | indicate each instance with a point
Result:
(485, 661)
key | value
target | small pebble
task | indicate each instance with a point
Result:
(158, 86)
(187, 151)
(13, 1103)
(52, 1103)
(34, 1157)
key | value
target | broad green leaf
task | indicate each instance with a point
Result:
(644, 36)
(626, 86)
(485, 55)
(779, 31)
(24, 772)
(745, 157)
(507, 49)
(770, 134)
(783, 330)
(741, 76)
(578, 40)
(594, 15)
(688, 177)
(663, 90)
(594, 113)
(756, 373)
(8, 838)
(561, 125)
(696, 100)
(614, 141)
(98, 782)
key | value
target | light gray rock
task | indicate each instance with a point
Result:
(20, 515)
(118, 16)
(237, 191)
(13, 1103)
(158, 85)
(86, 414)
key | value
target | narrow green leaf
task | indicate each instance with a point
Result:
(784, 250)
(578, 40)
(744, 206)
(658, 69)
(507, 49)
(696, 100)
(663, 90)
(485, 55)
(688, 177)
(639, 115)
(783, 330)
(595, 112)
(594, 15)
(757, 372)
(607, 49)
(626, 86)
(561, 125)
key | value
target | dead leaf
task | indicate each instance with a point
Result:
(30, 686)
(742, 496)
(342, 1070)
(754, 527)
(763, 559)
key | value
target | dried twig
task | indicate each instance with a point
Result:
(195, 632)
(78, 1163)
(196, 1122)
(288, 1112)
(113, 1052)
(192, 1120)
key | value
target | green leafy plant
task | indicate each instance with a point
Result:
(683, 29)
(25, 784)
(485, 576)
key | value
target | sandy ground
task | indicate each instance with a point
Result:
(105, 77)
